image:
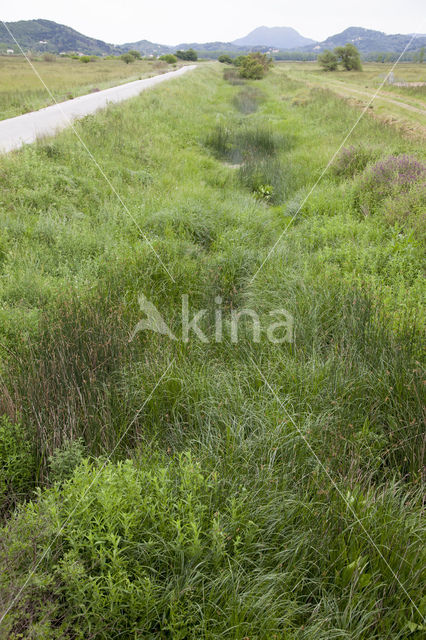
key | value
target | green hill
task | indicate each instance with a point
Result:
(46, 35)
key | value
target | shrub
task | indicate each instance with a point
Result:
(85, 59)
(66, 459)
(351, 160)
(238, 61)
(328, 61)
(252, 70)
(169, 58)
(136, 54)
(225, 59)
(127, 58)
(190, 55)
(349, 57)
(388, 178)
(255, 66)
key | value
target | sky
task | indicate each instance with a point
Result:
(177, 21)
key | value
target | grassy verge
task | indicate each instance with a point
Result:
(360, 86)
(214, 518)
(21, 91)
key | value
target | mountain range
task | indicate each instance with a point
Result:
(46, 35)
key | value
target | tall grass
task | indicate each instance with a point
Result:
(259, 490)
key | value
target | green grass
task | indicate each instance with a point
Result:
(360, 86)
(214, 518)
(21, 90)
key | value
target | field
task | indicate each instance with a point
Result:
(21, 91)
(220, 484)
(360, 86)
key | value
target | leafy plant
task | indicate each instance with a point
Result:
(17, 464)
(328, 60)
(225, 59)
(169, 58)
(352, 160)
(189, 55)
(349, 57)
(127, 58)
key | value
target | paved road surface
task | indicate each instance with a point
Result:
(15, 132)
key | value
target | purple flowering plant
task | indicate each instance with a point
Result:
(389, 180)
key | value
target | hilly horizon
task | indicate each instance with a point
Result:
(46, 35)
(277, 37)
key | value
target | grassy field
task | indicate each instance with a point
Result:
(224, 489)
(21, 91)
(360, 85)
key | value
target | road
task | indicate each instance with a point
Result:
(25, 129)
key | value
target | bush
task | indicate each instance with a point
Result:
(136, 54)
(388, 179)
(225, 59)
(251, 69)
(328, 61)
(349, 57)
(169, 58)
(190, 55)
(127, 58)
(66, 459)
(255, 66)
(351, 160)
(85, 59)
(238, 61)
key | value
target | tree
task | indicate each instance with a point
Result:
(136, 54)
(421, 55)
(251, 69)
(225, 59)
(238, 61)
(254, 66)
(169, 58)
(127, 58)
(328, 61)
(349, 57)
(187, 55)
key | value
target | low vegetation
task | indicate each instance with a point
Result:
(21, 91)
(155, 488)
